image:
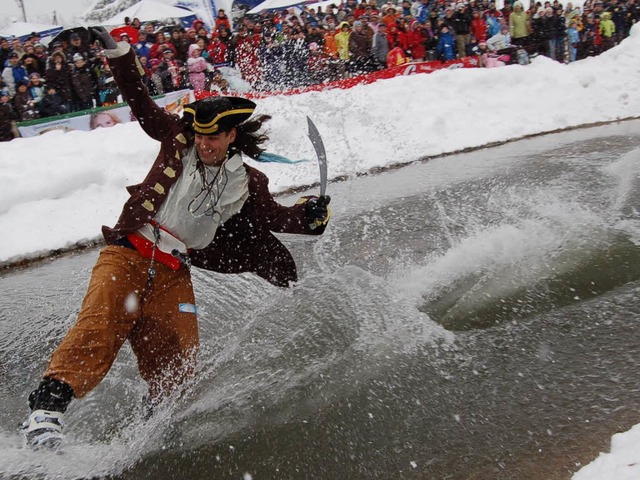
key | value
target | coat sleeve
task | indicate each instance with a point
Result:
(275, 217)
(245, 243)
(127, 72)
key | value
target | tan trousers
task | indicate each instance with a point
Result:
(159, 322)
(461, 43)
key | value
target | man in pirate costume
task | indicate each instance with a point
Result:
(199, 205)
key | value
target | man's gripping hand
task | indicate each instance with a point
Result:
(318, 211)
(104, 37)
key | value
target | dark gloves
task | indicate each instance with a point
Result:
(104, 37)
(318, 211)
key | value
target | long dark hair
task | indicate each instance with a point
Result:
(248, 140)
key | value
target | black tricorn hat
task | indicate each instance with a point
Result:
(212, 115)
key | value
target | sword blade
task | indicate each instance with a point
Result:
(318, 145)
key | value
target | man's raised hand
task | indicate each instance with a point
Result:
(104, 37)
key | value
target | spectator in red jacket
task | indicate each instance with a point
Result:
(478, 27)
(396, 57)
(222, 20)
(360, 10)
(158, 47)
(247, 56)
(218, 51)
(416, 37)
(401, 36)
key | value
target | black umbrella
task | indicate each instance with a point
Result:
(65, 35)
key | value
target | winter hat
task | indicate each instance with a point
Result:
(193, 47)
(213, 115)
(357, 23)
(34, 75)
(4, 93)
(14, 55)
(77, 57)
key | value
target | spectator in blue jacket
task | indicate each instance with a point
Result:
(423, 12)
(142, 48)
(14, 72)
(574, 40)
(446, 45)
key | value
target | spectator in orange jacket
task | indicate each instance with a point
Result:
(330, 47)
(390, 21)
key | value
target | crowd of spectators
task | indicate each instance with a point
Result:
(39, 81)
(286, 49)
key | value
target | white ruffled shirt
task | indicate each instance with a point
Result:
(188, 211)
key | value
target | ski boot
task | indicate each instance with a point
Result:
(44, 429)
(48, 403)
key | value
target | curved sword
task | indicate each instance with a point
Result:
(318, 145)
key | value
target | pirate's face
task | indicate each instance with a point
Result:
(212, 149)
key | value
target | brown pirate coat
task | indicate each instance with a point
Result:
(244, 243)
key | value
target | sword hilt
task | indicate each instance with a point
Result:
(324, 200)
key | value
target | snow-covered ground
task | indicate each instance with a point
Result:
(60, 188)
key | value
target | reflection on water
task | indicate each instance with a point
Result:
(468, 317)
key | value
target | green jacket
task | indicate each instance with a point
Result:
(607, 27)
(518, 24)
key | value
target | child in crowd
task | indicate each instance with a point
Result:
(24, 102)
(197, 67)
(217, 83)
(574, 40)
(446, 45)
(8, 115)
(36, 89)
(52, 103)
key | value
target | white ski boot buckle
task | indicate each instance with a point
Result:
(44, 428)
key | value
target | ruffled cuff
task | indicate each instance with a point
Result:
(120, 51)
